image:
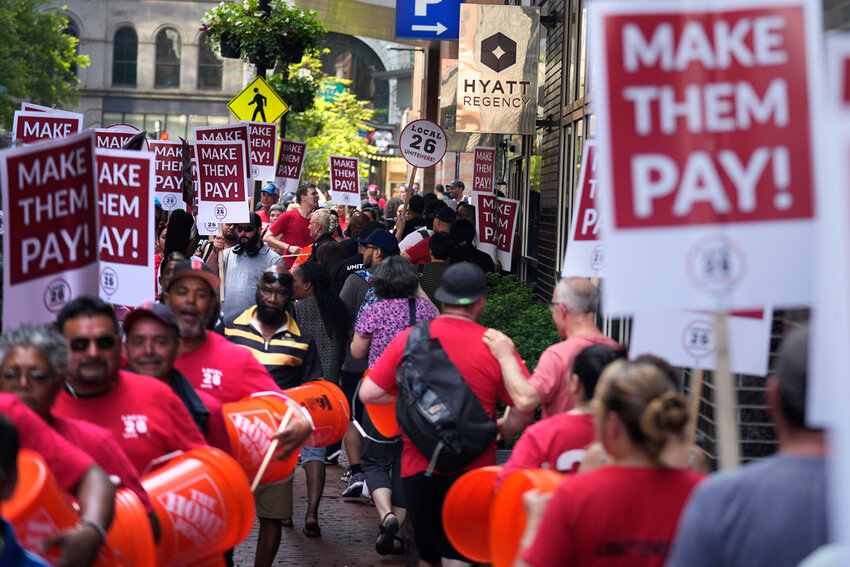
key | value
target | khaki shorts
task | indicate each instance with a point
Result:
(274, 501)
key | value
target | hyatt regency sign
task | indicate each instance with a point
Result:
(498, 54)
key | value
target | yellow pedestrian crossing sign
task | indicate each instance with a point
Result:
(258, 102)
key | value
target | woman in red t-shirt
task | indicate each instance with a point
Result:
(624, 514)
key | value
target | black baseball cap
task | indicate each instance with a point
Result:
(446, 214)
(463, 284)
(457, 183)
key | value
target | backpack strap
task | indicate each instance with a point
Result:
(411, 303)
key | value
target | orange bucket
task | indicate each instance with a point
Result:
(38, 508)
(383, 416)
(251, 422)
(327, 406)
(508, 512)
(466, 513)
(130, 538)
(204, 504)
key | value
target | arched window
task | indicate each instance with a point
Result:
(167, 73)
(125, 51)
(74, 31)
(209, 67)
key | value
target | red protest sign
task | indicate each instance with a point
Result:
(33, 126)
(705, 131)
(345, 180)
(115, 136)
(484, 169)
(290, 164)
(49, 196)
(585, 255)
(168, 180)
(228, 133)
(263, 136)
(223, 181)
(496, 224)
(125, 180)
(707, 140)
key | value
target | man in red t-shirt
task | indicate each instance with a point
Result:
(143, 414)
(291, 232)
(152, 345)
(575, 302)
(419, 253)
(463, 296)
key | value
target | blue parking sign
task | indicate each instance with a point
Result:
(427, 19)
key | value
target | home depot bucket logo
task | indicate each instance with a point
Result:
(255, 433)
(196, 511)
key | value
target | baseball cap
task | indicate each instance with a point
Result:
(457, 183)
(382, 239)
(446, 214)
(194, 269)
(373, 189)
(270, 188)
(158, 311)
(463, 284)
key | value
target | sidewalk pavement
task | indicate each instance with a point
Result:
(349, 529)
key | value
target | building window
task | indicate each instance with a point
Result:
(209, 67)
(72, 30)
(125, 50)
(167, 74)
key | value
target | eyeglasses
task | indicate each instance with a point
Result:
(249, 228)
(34, 376)
(103, 342)
(275, 277)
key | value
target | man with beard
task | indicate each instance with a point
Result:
(143, 414)
(289, 354)
(209, 361)
(242, 265)
(152, 343)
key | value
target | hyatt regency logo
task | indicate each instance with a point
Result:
(498, 52)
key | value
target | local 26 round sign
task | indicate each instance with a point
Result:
(422, 143)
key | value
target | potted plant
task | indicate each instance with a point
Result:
(275, 38)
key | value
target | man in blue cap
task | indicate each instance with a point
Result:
(269, 195)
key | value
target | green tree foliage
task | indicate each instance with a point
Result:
(513, 309)
(328, 127)
(36, 58)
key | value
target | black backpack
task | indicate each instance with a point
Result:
(436, 408)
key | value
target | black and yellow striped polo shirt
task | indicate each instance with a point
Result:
(290, 356)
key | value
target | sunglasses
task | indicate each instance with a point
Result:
(245, 228)
(272, 277)
(103, 342)
(33, 376)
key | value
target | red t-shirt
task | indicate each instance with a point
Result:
(419, 253)
(554, 367)
(293, 229)
(558, 443)
(462, 341)
(216, 434)
(264, 220)
(146, 417)
(612, 516)
(105, 450)
(65, 461)
(226, 371)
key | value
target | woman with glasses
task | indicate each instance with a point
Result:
(626, 513)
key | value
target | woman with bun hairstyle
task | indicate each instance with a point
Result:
(624, 513)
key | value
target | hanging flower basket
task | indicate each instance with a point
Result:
(229, 48)
(274, 39)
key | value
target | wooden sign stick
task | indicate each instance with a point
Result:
(729, 447)
(272, 448)
(694, 395)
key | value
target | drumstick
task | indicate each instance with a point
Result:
(272, 448)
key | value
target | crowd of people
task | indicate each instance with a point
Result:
(303, 292)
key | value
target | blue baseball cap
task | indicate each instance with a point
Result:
(270, 188)
(382, 239)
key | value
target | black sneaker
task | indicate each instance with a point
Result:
(355, 485)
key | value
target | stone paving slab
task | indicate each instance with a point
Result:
(349, 528)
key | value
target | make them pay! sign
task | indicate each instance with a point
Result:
(49, 193)
(707, 134)
(345, 180)
(585, 254)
